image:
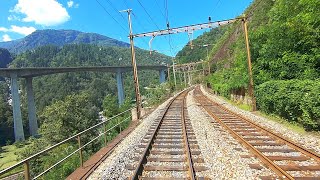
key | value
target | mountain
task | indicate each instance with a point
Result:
(5, 58)
(59, 38)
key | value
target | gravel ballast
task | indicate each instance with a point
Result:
(307, 140)
(221, 152)
(114, 166)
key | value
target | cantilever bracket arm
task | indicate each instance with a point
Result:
(187, 28)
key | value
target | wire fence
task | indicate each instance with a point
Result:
(26, 162)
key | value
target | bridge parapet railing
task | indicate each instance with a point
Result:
(26, 162)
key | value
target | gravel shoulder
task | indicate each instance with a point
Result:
(307, 140)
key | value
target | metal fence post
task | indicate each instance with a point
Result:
(80, 151)
(105, 135)
(27, 170)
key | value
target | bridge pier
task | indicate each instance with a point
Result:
(162, 76)
(17, 118)
(120, 88)
(33, 124)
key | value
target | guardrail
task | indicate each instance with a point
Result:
(26, 162)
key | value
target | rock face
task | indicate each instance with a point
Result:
(5, 58)
(59, 38)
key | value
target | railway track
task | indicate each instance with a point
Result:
(169, 150)
(287, 159)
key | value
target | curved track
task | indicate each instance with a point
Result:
(169, 150)
(287, 159)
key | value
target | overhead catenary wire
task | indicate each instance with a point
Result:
(215, 7)
(150, 16)
(110, 15)
(160, 10)
(115, 9)
(145, 10)
(168, 25)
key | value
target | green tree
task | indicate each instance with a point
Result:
(68, 117)
(110, 105)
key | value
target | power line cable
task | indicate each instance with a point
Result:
(160, 10)
(152, 19)
(145, 10)
(215, 7)
(111, 15)
(115, 9)
(168, 25)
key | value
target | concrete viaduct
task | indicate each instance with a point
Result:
(29, 73)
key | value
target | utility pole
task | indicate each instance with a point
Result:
(174, 73)
(168, 67)
(251, 91)
(207, 45)
(134, 66)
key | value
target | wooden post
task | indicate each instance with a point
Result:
(80, 151)
(26, 170)
(105, 135)
(251, 88)
(168, 67)
(134, 67)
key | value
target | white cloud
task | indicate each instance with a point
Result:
(3, 29)
(42, 12)
(14, 18)
(20, 30)
(71, 4)
(6, 37)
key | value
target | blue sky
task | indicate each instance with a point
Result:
(19, 18)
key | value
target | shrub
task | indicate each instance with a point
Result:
(295, 100)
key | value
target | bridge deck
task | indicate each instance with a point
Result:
(40, 71)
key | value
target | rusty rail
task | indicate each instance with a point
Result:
(220, 118)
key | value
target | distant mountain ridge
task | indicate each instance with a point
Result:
(5, 58)
(59, 38)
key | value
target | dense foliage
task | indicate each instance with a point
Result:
(61, 120)
(295, 100)
(59, 38)
(284, 40)
(6, 122)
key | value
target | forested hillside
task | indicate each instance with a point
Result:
(5, 58)
(52, 88)
(59, 38)
(284, 40)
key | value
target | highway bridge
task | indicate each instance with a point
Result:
(31, 72)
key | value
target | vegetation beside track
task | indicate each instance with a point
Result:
(284, 43)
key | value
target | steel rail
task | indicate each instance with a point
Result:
(293, 145)
(279, 138)
(191, 170)
(262, 157)
(138, 171)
